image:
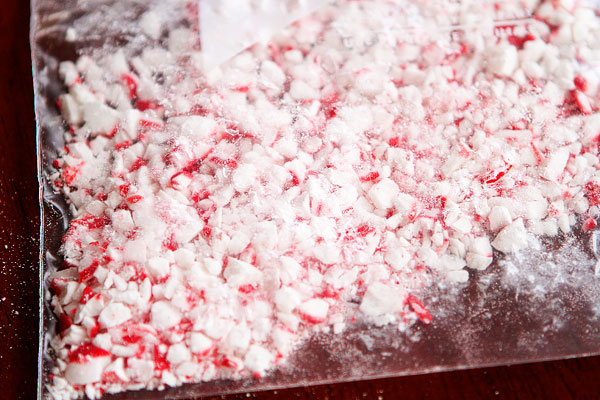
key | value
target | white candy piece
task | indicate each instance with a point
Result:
(499, 217)
(164, 316)
(99, 118)
(503, 60)
(239, 337)
(199, 343)
(238, 273)
(258, 359)
(114, 314)
(397, 258)
(71, 110)
(178, 353)
(512, 238)
(158, 267)
(314, 310)
(88, 372)
(118, 368)
(74, 335)
(384, 193)
(290, 270)
(184, 258)
(555, 165)
(287, 299)
(122, 221)
(381, 299)
(243, 177)
(212, 266)
(480, 255)
(150, 24)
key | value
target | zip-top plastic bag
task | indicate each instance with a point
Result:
(350, 190)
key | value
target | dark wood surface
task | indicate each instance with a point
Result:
(19, 224)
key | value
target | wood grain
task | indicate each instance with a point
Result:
(19, 224)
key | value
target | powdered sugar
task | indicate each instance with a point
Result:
(221, 219)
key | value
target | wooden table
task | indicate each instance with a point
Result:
(19, 225)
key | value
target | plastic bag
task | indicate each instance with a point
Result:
(538, 303)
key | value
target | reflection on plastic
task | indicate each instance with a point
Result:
(229, 26)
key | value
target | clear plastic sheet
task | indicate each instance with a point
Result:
(228, 27)
(543, 304)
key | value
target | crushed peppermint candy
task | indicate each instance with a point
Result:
(376, 148)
